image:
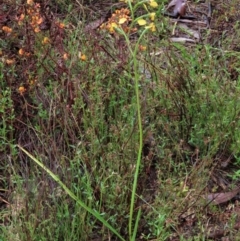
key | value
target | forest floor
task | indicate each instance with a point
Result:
(137, 112)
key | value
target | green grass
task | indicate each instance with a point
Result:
(73, 165)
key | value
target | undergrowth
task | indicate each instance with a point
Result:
(132, 137)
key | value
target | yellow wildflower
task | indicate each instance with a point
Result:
(122, 20)
(37, 30)
(142, 47)
(153, 4)
(46, 40)
(6, 29)
(142, 22)
(39, 20)
(65, 56)
(21, 52)
(152, 16)
(112, 27)
(21, 90)
(152, 27)
(31, 82)
(81, 56)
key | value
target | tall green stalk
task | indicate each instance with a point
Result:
(133, 52)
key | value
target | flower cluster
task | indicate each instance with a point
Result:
(151, 15)
(30, 21)
(21, 90)
(153, 3)
(23, 53)
(120, 18)
(33, 14)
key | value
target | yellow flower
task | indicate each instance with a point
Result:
(21, 52)
(153, 4)
(21, 90)
(142, 47)
(65, 56)
(119, 19)
(81, 56)
(31, 82)
(46, 40)
(152, 27)
(122, 20)
(6, 29)
(37, 30)
(142, 22)
(39, 20)
(112, 27)
(152, 16)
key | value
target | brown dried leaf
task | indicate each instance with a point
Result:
(219, 198)
(179, 7)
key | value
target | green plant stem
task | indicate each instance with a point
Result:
(136, 84)
(136, 75)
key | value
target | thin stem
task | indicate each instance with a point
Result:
(137, 77)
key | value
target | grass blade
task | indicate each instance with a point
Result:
(72, 195)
